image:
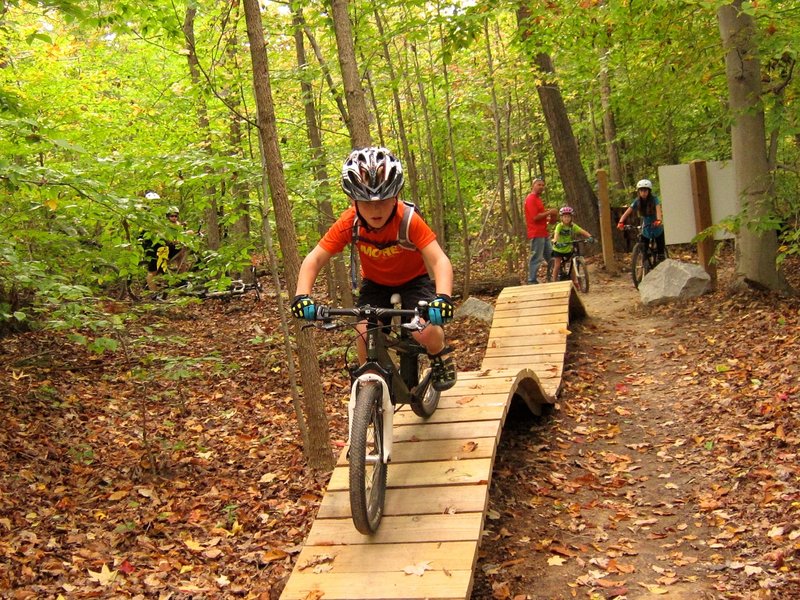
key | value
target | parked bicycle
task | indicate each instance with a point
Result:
(236, 287)
(379, 386)
(644, 257)
(574, 269)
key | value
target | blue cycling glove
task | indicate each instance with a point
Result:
(440, 310)
(303, 307)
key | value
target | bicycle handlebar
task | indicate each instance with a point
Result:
(367, 312)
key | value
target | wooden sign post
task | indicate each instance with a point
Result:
(606, 235)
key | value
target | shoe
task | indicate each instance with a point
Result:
(443, 370)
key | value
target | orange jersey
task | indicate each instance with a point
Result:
(383, 261)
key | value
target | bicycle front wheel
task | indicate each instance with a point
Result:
(581, 273)
(638, 264)
(367, 469)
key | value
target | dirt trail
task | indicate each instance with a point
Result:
(600, 499)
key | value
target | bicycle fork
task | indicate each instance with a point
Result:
(386, 407)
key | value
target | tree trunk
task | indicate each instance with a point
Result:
(410, 166)
(318, 451)
(211, 216)
(437, 204)
(577, 189)
(462, 211)
(353, 92)
(755, 250)
(337, 96)
(498, 138)
(610, 125)
(238, 188)
(339, 282)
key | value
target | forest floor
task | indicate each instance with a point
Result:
(174, 469)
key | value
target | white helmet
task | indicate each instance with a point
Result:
(644, 183)
(152, 196)
(372, 174)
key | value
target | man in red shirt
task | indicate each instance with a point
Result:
(536, 219)
(372, 178)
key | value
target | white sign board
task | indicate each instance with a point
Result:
(675, 186)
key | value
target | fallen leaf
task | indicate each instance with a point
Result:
(418, 569)
(655, 589)
(104, 576)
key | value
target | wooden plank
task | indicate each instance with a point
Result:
(439, 472)
(536, 360)
(446, 431)
(543, 370)
(533, 330)
(557, 302)
(530, 319)
(404, 529)
(451, 398)
(434, 585)
(537, 291)
(413, 501)
(436, 450)
(453, 415)
(520, 310)
(550, 340)
(383, 558)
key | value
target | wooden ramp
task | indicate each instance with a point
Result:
(438, 483)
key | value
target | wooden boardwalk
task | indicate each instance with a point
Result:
(438, 482)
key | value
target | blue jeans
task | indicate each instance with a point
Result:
(541, 250)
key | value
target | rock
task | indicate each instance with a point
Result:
(473, 307)
(673, 280)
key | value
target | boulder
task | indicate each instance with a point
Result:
(478, 309)
(673, 280)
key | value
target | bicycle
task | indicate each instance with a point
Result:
(378, 387)
(236, 287)
(644, 257)
(574, 269)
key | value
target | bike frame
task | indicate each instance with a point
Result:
(379, 366)
(568, 266)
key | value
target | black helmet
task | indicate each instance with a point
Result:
(372, 174)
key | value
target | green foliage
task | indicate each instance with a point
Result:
(97, 106)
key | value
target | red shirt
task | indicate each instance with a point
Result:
(382, 263)
(534, 206)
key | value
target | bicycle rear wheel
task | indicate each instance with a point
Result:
(581, 273)
(426, 399)
(367, 469)
(549, 272)
(639, 264)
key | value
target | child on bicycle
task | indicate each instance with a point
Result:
(649, 207)
(372, 178)
(563, 237)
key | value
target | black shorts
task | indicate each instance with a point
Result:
(411, 292)
(562, 255)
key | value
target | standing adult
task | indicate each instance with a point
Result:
(536, 219)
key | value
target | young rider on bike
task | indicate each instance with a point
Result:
(563, 236)
(161, 255)
(649, 208)
(372, 178)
